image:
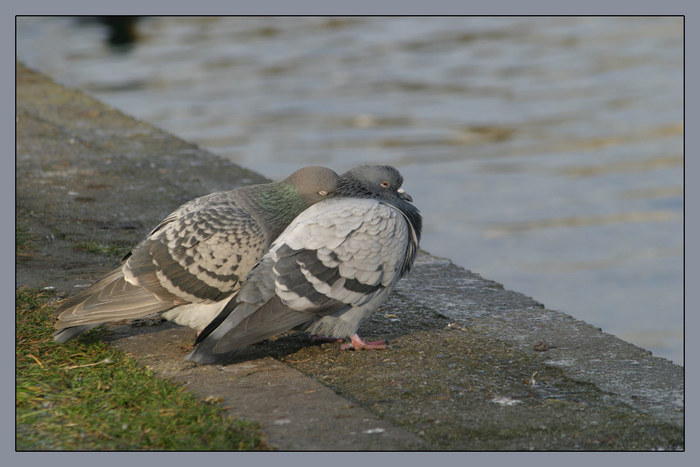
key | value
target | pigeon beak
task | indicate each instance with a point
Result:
(404, 195)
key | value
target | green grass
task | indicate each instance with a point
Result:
(101, 249)
(90, 396)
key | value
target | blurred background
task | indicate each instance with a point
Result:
(545, 153)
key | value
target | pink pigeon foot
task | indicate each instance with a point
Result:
(356, 343)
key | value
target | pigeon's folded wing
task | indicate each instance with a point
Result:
(193, 257)
(344, 250)
(200, 256)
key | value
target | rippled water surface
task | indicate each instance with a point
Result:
(544, 153)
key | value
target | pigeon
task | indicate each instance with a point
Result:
(192, 263)
(330, 269)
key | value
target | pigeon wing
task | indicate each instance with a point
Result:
(200, 256)
(196, 255)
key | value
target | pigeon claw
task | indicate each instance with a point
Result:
(356, 343)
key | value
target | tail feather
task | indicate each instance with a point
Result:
(79, 298)
(269, 320)
(230, 306)
(110, 299)
(239, 330)
(64, 335)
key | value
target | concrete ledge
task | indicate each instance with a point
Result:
(471, 366)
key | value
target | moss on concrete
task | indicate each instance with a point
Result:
(459, 390)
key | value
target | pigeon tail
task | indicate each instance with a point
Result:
(241, 327)
(64, 335)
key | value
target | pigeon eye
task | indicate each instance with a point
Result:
(385, 184)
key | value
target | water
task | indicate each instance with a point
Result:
(544, 153)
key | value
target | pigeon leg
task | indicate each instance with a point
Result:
(356, 343)
(319, 339)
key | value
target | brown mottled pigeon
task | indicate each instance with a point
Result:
(193, 262)
(334, 265)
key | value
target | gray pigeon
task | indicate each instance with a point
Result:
(328, 271)
(191, 264)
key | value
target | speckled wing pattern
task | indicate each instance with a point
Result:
(198, 254)
(329, 270)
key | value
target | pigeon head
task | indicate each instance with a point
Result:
(373, 181)
(381, 182)
(313, 183)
